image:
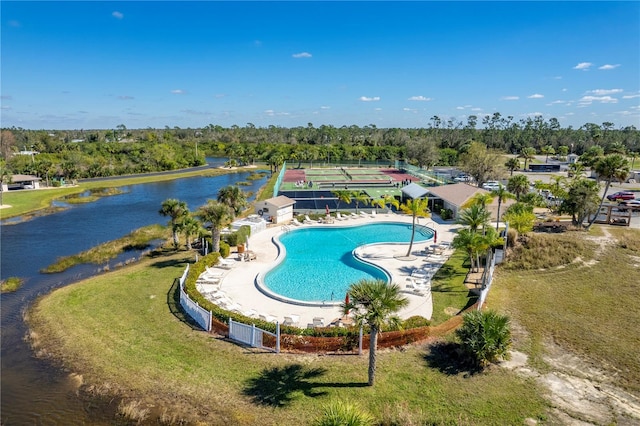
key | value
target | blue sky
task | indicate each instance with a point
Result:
(73, 65)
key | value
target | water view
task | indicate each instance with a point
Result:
(32, 390)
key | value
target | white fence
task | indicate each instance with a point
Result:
(195, 311)
(486, 283)
(243, 333)
(253, 336)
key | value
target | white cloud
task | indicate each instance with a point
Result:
(377, 109)
(583, 66)
(536, 96)
(588, 100)
(608, 67)
(510, 98)
(325, 107)
(178, 92)
(272, 113)
(367, 99)
(195, 112)
(410, 110)
(117, 15)
(631, 96)
(302, 55)
(604, 92)
(558, 102)
(219, 95)
(419, 98)
(557, 77)
(460, 108)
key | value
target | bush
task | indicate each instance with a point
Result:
(446, 214)
(224, 249)
(485, 337)
(415, 322)
(341, 413)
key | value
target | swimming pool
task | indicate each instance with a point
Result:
(317, 265)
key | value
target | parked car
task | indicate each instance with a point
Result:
(635, 204)
(491, 185)
(621, 195)
(462, 178)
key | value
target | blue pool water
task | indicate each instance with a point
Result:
(319, 265)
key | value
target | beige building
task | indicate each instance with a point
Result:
(276, 210)
(456, 195)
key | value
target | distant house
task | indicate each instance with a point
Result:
(22, 182)
(454, 196)
(277, 210)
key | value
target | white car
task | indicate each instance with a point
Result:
(462, 178)
(491, 185)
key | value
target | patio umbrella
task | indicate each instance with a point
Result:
(435, 236)
(346, 301)
(326, 207)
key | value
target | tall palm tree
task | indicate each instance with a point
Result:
(176, 210)
(360, 197)
(609, 168)
(471, 242)
(374, 303)
(415, 207)
(512, 164)
(503, 195)
(518, 185)
(384, 200)
(474, 217)
(528, 154)
(234, 197)
(189, 226)
(218, 216)
(342, 195)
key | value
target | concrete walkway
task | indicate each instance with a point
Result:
(239, 282)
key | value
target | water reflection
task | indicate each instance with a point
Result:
(32, 391)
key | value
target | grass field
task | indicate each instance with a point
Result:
(589, 306)
(123, 331)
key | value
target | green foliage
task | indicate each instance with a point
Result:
(225, 249)
(542, 251)
(446, 214)
(11, 284)
(415, 322)
(342, 413)
(485, 337)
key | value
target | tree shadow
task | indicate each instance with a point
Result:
(447, 358)
(278, 386)
(173, 302)
(171, 263)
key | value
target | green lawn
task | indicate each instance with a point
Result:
(123, 331)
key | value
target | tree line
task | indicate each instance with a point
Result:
(73, 154)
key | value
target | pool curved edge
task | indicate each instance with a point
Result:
(282, 252)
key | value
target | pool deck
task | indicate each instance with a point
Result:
(239, 282)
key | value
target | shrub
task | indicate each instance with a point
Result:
(415, 322)
(485, 337)
(224, 249)
(341, 413)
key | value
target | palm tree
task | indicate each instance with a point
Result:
(342, 195)
(470, 242)
(384, 200)
(189, 226)
(576, 170)
(360, 197)
(5, 177)
(512, 164)
(218, 216)
(176, 210)
(485, 336)
(547, 151)
(474, 217)
(610, 168)
(528, 154)
(518, 185)
(481, 198)
(234, 197)
(415, 207)
(374, 303)
(503, 195)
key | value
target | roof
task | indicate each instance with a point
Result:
(457, 193)
(23, 178)
(281, 201)
(414, 191)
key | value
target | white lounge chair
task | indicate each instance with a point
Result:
(291, 320)
(354, 216)
(374, 214)
(339, 216)
(251, 313)
(308, 220)
(363, 214)
(296, 222)
(268, 318)
(318, 322)
(213, 272)
(226, 263)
